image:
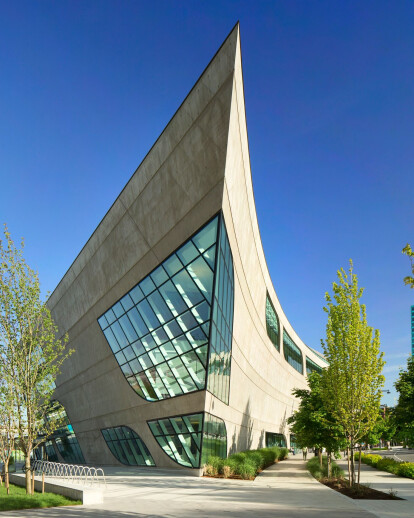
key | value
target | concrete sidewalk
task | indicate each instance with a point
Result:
(386, 482)
(285, 490)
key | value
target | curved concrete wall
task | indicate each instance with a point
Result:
(198, 166)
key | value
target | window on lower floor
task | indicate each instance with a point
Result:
(127, 446)
(275, 439)
(191, 439)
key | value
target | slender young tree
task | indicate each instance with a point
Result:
(29, 348)
(313, 425)
(351, 385)
(409, 280)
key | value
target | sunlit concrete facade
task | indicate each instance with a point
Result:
(197, 173)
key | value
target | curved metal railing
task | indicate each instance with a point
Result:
(73, 473)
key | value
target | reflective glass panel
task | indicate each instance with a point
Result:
(275, 439)
(292, 353)
(127, 446)
(272, 323)
(153, 327)
(311, 366)
(191, 439)
(219, 363)
(63, 437)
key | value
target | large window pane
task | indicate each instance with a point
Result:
(127, 446)
(164, 317)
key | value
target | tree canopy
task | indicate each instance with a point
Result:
(351, 385)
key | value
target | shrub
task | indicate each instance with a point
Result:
(247, 470)
(406, 469)
(256, 458)
(216, 463)
(284, 452)
(238, 457)
(232, 464)
(371, 460)
(246, 464)
(387, 465)
(227, 471)
(269, 456)
(314, 467)
(210, 470)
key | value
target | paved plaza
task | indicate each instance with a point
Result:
(283, 490)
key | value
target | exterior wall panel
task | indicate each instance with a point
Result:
(198, 167)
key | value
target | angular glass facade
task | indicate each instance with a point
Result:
(159, 330)
(127, 446)
(275, 439)
(272, 323)
(180, 438)
(190, 439)
(50, 452)
(292, 353)
(219, 364)
(63, 438)
(69, 449)
(311, 366)
(214, 438)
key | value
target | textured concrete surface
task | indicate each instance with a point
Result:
(285, 490)
(198, 166)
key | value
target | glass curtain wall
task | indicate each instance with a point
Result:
(159, 330)
(311, 366)
(180, 438)
(214, 438)
(191, 439)
(275, 439)
(292, 353)
(69, 449)
(219, 364)
(127, 446)
(63, 438)
(272, 323)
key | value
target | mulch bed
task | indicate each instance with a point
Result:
(358, 492)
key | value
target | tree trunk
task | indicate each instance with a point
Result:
(27, 471)
(329, 464)
(320, 456)
(352, 474)
(359, 463)
(6, 475)
(349, 464)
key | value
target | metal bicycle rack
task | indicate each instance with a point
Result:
(71, 472)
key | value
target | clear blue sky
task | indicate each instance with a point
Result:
(87, 86)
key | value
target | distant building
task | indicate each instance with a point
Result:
(182, 349)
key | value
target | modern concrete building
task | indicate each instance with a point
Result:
(182, 349)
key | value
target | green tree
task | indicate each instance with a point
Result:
(404, 411)
(30, 351)
(351, 384)
(313, 425)
(409, 280)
